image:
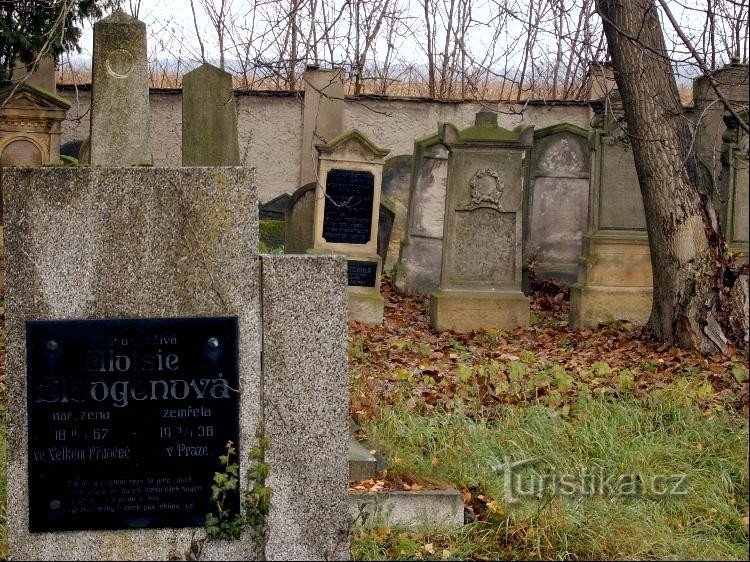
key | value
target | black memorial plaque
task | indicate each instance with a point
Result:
(347, 215)
(127, 420)
(361, 273)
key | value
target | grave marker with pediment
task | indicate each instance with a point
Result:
(30, 125)
(480, 284)
(346, 216)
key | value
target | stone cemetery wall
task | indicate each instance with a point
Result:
(556, 219)
(85, 245)
(270, 126)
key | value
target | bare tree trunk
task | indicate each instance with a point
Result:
(691, 305)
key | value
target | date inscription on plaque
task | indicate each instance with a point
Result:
(347, 214)
(127, 420)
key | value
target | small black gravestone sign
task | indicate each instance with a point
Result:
(127, 420)
(347, 215)
(361, 273)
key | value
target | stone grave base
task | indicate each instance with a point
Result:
(465, 311)
(610, 261)
(366, 305)
(418, 268)
(425, 510)
(591, 305)
(614, 280)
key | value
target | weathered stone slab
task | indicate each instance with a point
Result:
(386, 221)
(734, 187)
(120, 134)
(304, 326)
(94, 243)
(558, 201)
(619, 204)
(209, 118)
(419, 265)
(426, 510)
(298, 233)
(396, 181)
(323, 117)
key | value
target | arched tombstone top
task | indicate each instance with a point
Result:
(562, 150)
(21, 152)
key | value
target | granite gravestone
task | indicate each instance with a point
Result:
(480, 284)
(346, 215)
(614, 272)
(134, 355)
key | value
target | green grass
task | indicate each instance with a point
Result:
(658, 436)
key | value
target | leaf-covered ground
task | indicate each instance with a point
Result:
(405, 362)
(446, 409)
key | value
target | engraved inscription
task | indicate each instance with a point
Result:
(483, 247)
(347, 214)
(127, 420)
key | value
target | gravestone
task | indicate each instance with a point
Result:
(138, 346)
(386, 221)
(734, 186)
(733, 80)
(298, 232)
(418, 269)
(480, 283)
(557, 201)
(209, 118)
(323, 116)
(120, 133)
(396, 179)
(347, 203)
(614, 272)
(30, 125)
(273, 222)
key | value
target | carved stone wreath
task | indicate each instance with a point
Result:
(486, 189)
